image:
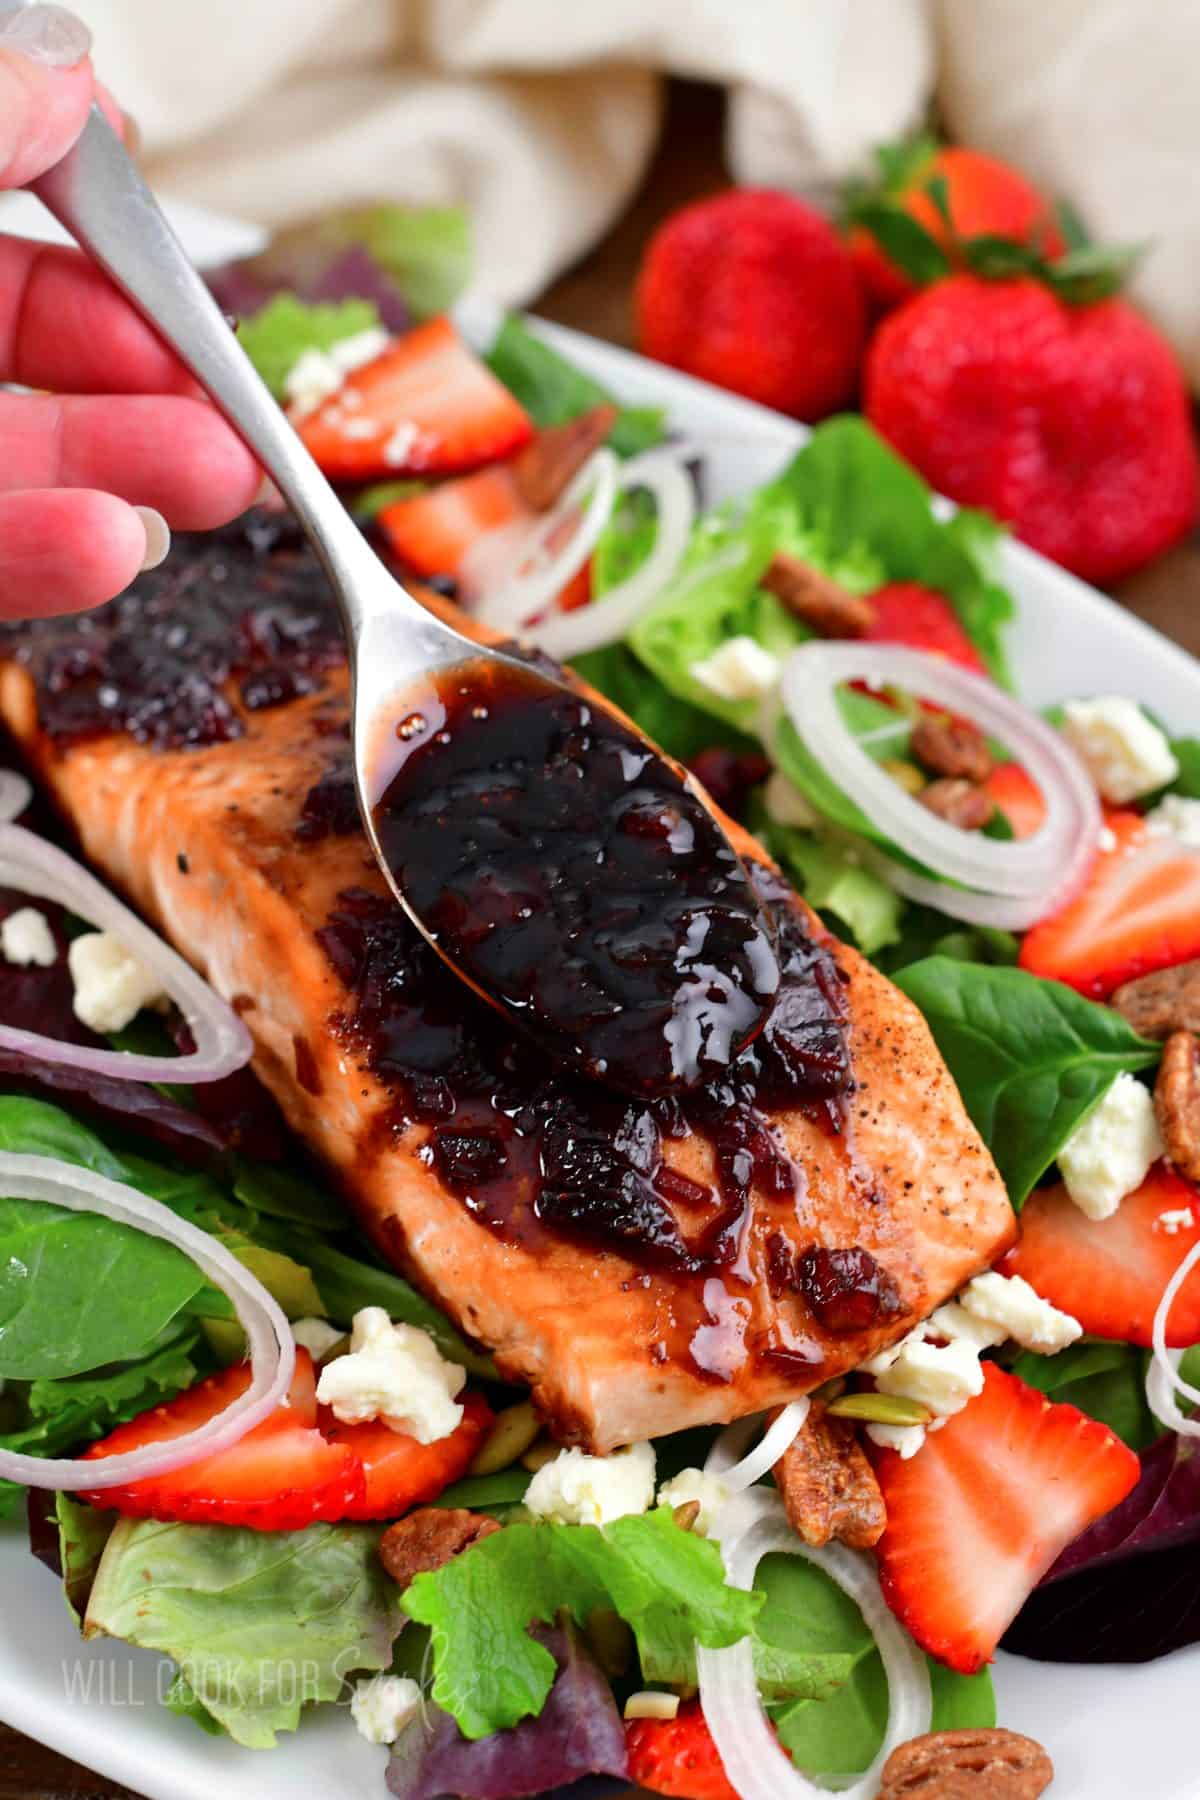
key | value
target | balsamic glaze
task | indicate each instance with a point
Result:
(575, 878)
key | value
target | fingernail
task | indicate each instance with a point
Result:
(268, 495)
(44, 34)
(158, 536)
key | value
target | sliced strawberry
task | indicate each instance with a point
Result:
(282, 1476)
(978, 1515)
(399, 1472)
(1018, 797)
(907, 613)
(1110, 1273)
(677, 1756)
(578, 590)
(1139, 911)
(433, 531)
(426, 406)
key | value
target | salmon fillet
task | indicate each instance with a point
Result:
(643, 1267)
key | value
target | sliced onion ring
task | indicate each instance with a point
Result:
(32, 866)
(15, 795)
(1163, 1380)
(753, 1526)
(738, 1470)
(1037, 868)
(534, 574)
(1000, 911)
(272, 1347)
(608, 618)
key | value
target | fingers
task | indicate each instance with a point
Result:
(171, 453)
(46, 88)
(64, 326)
(62, 550)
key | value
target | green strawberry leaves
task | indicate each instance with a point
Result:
(1079, 275)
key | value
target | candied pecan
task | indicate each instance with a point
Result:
(551, 460)
(967, 1765)
(951, 747)
(430, 1538)
(1167, 1001)
(1177, 1102)
(828, 1487)
(959, 802)
(830, 609)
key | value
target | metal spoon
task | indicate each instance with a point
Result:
(397, 648)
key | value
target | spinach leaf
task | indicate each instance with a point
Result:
(927, 932)
(1031, 1057)
(1187, 755)
(1105, 1380)
(552, 390)
(840, 1734)
(78, 1291)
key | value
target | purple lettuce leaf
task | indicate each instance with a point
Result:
(313, 270)
(577, 1734)
(1128, 1588)
(1161, 1512)
(237, 1114)
(1129, 1611)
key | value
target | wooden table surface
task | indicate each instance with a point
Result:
(595, 297)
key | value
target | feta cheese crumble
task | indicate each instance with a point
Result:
(1013, 1307)
(316, 375)
(1110, 1154)
(1181, 1218)
(317, 1336)
(786, 804)
(942, 1377)
(26, 939)
(905, 1440)
(740, 669)
(1176, 817)
(383, 1705)
(696, 1484)
(111, 984)
(576, 1489)
(395, 1373)
(1124, 752)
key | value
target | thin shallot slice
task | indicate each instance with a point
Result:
(223, 1044)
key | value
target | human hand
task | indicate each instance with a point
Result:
(94, 471)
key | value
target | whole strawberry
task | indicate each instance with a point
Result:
(927, 200)
(1069, 421)
(755, 291)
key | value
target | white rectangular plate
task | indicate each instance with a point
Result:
(1112, 1731)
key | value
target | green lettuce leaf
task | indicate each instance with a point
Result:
(552, 390)
(666, 1584)
(82, 1534)
(833, 880)
(841, 1736)
(1031, 1057)
(260, 1624)
(425, 249)
(276, 337)
(682, 729)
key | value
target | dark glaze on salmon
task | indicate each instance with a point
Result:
(644, 1263)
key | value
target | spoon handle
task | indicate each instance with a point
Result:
(98, 194)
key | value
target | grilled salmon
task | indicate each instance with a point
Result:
(644, 1265)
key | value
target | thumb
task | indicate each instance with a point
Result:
(46, 87)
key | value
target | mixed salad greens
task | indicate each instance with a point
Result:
(99, 1323)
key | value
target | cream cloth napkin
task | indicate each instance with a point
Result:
(541, 115)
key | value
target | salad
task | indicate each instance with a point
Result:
(245, 1439)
